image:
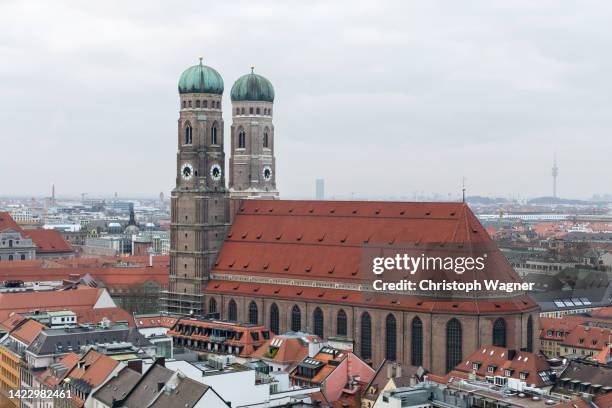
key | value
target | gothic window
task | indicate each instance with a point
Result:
(417, 342)
(213, 134)
(241, 139)
(190, 104)
(10, 257)
(218, 104)
(341, 323)
(184, 104)
(188, 134)
(296, 319)
(274, 319)
(232, 310)
(453, 344)
(198, 103)
(251, 110)
(265, 138)
(23, 257)
(317, 318)
(366, 336)
(499, 333)
(205, 104)
(237, 111)
(390, 338)
(258, 111)
(253, 313)
(212, 305)
(242, 111)
(530, 335)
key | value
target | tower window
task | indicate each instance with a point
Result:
(212, 305)
(242, 111)
(265, 111)
(190, 104)
(318, 322)
(258, 111)
(188, 134)
(253, 313)
(417, 342)
(265, 138)
(274, 319)
(198, 103)
(232, 310)
(205, 104)
(499, 333)
(184, 104)
(454, 340)
(341, 323)
(251, 110)
(242, 139)
(218, 105)
(213, 134)
(296, 319)
(390, 337)
(366, 336)
(237, 111)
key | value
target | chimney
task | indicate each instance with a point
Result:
(511, 354)
(398, 370)
(389, 370)
(135, 365)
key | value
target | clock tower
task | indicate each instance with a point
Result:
(200, 201)
(252, 162)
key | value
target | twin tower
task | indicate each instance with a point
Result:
(200, 209)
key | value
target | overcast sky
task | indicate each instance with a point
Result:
(379, 98)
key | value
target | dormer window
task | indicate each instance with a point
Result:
(523, 375)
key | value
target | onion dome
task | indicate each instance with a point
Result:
(252, 87)
(200, 79)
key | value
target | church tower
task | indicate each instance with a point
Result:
(252, 163)
(200, 202)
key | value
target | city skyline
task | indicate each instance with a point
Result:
(509, 93)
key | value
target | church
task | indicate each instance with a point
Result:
(240, 252)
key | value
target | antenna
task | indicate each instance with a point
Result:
(463, 189)
(555, 173)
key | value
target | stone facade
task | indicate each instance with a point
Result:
(200, 203)
(252, 162)
(477, 330)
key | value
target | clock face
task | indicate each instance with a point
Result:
(267, 173)
(215, 172)
(187, 171)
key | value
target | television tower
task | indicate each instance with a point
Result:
(555, 173)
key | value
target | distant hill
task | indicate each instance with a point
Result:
(557, 200)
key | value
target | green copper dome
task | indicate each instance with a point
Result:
(200, 79)
(252, 87)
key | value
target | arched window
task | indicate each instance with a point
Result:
(390, 338)
(253, 313)
(184, 104)
(212, 305)
(237, 111)
(198, 103)
(317, 322)
(232, 310)
(251, 110)
(205, 104)
(341, 323)
(258, 111)
(530, 335)
(10, 257)
(23, 257)
(416, 350)
(296, 319)
(366, 336)
(213, 134)
(453, 344)
(242, 111)
(241, 139)
(274, 319)
(265, 138)
(188, 134)
(499, 333)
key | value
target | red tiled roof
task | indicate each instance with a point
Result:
(48, 241)
(27, 331)
(50, 378)
(552, 328)
(93, 368)
(498, 358)
(593, 338)
(603, 313)
(7, 222)
(285, 349)
(329, 240)
(44, 301)
(11, 321)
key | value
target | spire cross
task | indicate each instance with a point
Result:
(252, 69)
(201, 58)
